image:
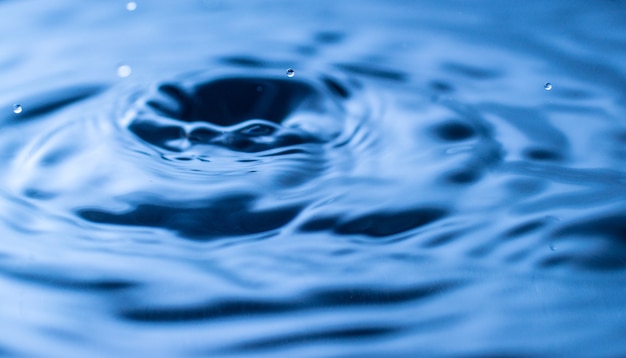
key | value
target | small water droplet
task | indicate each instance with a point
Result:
(131, 6)
(552, 247)
(124, 71)
(547, 86)
(17, 109)
(291, 72)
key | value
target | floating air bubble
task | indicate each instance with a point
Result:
(124, 71)
(17, 109)
(547, 86)
(131, 6)
(291, 72)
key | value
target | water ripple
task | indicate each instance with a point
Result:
(410, 183)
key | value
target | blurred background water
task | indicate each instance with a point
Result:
(431, 179)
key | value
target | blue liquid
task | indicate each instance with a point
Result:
(413, 190)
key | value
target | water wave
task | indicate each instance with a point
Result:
(414, 183)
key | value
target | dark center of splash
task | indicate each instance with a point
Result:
(231, 101)
(246, 114)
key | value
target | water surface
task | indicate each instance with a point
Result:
(415, 188)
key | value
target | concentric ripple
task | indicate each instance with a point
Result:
(202, 155)
(214, 155)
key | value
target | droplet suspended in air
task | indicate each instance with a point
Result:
(124, 71)
(131, 6)
(291, 72)
(547, 86)
(17, 109)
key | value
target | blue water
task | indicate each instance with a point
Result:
(415, 189)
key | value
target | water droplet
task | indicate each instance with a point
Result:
(131, 6)
(552, 247)
(124, 71)
(17, 109)
(547, 86)
(291, 72)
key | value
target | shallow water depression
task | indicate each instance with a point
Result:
(323, 179)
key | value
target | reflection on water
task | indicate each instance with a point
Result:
(434, 173)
